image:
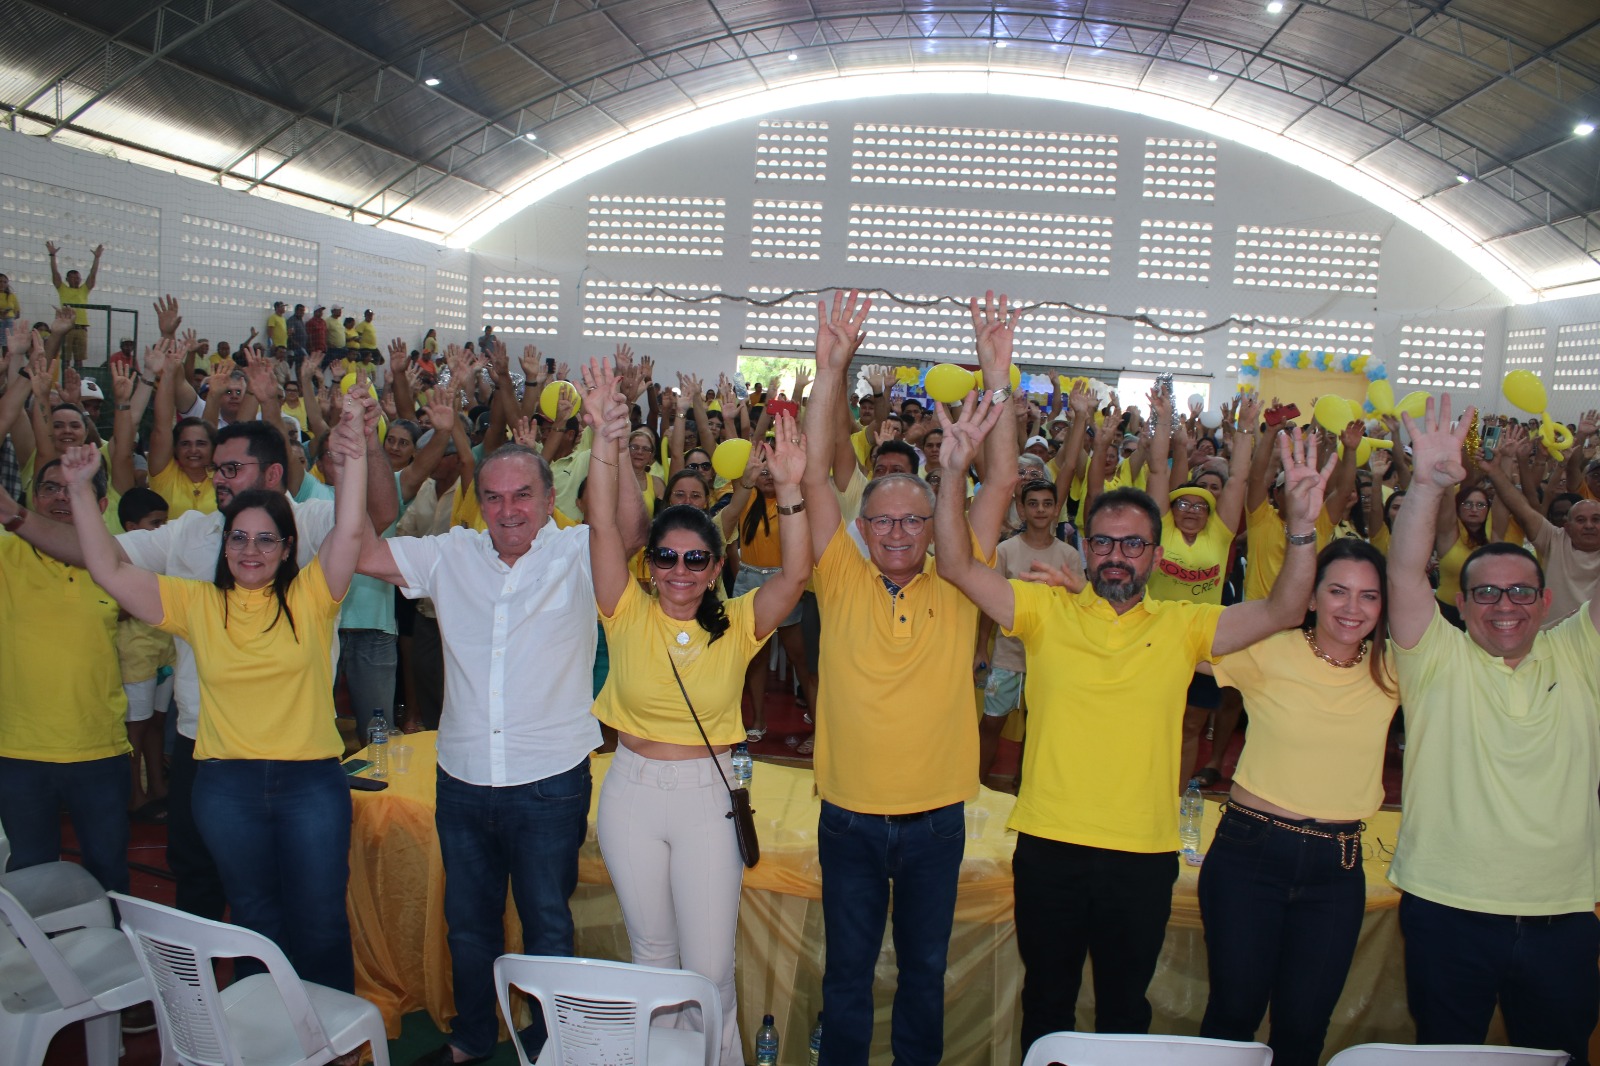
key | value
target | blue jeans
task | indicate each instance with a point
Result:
(95, 796)
(1282, 917)
(198, 884)
(368, 659)
(862, 855)
(280, 835)
(1544, 971)
(531, 834)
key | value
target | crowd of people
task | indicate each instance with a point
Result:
(539, 564)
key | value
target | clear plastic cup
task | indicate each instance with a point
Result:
(400, 757)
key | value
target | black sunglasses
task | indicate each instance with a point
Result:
(696, 559)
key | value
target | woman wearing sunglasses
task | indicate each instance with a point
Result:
(1282, 891)
(270, 799)
(664, 829)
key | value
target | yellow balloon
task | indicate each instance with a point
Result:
(1524, 389)
(1557, 438)
(1016, 377)
(1380, 394)
(906, 375)
(948, 383)
(1332, 413)
(1414, 404)
(731, 457)
(551, 397)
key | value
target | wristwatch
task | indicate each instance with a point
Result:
(1000, 395)
(1302, 538)
(795, 509)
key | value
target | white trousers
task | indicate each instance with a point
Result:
(674, 862)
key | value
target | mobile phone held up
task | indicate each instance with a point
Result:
(1279, 414)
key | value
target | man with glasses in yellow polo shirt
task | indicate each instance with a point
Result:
(897, 730)
(1096, 820)
(1498, 849)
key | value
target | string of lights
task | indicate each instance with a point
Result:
(934, 301)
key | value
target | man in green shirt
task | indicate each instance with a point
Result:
(74, 292)
(1499, 850)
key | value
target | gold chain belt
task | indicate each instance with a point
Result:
(1348, 855)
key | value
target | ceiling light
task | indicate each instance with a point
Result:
(531, 136)
(430, 82)
(1463, 178)
(1211, 77)
(793, 57)
(1584, 128)
(1274, 7)
(1000, 44)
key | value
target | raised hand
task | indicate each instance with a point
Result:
(801, 380)
(994, 328)
(167, 317)
(121, 383)
(604, 409)
(72, 388)
(525, 432)
(1379, 463)
(398, 352)
(1350, 436)
(65, 318)
(532, 363)
(785, 456)
(52, 247)
(1248, 417)
(99, 249)
(1436, 446)
(1081, 401)
(839, 331)
(1588, 425)
(80, 464)
(1303, 484)
(963, 436)
(1055, 576)
(258, 373)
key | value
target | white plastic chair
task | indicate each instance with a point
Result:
(598, 1012)
(270, 1019)
(1446, 1055)
(48, 983)
(1138, 1049)
(60, 896)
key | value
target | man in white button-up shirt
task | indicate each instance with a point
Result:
(517, 619)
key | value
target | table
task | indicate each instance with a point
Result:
(396, 904)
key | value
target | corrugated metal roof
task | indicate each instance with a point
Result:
(330, 101)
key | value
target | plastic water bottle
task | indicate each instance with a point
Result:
(816, 1042)
(1190, 813)
(744, 767)
(767, 1042)
(378, 744)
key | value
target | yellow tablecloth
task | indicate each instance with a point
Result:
(396, 905)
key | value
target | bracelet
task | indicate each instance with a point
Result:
(1302, 538)
(796, 509)
(124, 407)
(597, 459)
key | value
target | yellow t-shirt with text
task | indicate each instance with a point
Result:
(1191, 571)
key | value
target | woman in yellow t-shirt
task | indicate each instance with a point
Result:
(1199, 520)
(270, 799)
(1282, 891)
(180, 449)
(664, 832)
(642, 454)
(1454, 541)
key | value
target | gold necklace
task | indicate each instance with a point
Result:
(1343, 664)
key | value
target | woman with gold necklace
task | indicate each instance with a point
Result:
(1282, 892)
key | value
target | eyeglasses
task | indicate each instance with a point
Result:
(1132, 547)
(1490, 594)
(695, 559)
(229, 471)
(702, 467)
(1191, 504)
(266, 543)
(1473, 505)
(52, 488)
(911, 524)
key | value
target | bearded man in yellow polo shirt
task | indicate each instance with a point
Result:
(897, 730)
(1096, 820)
(63, 744)
(1499, 850)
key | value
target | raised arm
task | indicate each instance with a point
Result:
(122, 427)
(1436, 461)
(136, 590)
(1230, 507)
(610, 478)
(1159, 483)
(994, 331)
(341, 549)
(440, 415)
(1262, 472)
(952, 536)
(786, 458)
(1506, 493)
(1242, 624)
(1081, 403)
(94, 268)
(55, 273)
(837, 333)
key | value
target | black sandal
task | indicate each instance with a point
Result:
(1208, 777)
